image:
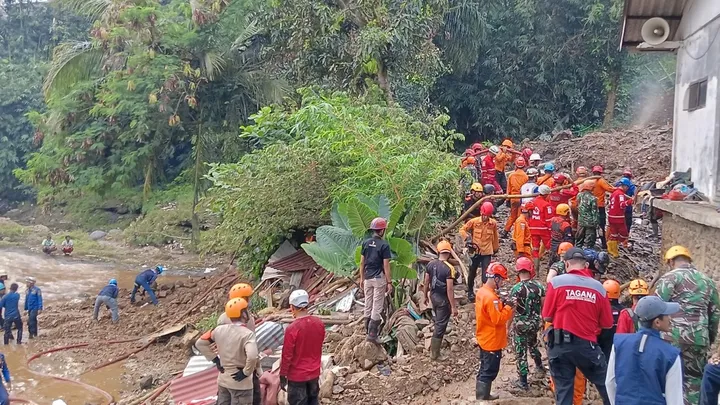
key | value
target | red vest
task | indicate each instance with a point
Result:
(616, 206)
(539, 220)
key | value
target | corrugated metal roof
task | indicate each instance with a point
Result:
(194, 387)
(637, 12)
(297, 261)
(197, 364)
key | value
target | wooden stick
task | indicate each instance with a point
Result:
(504, 196)
(462, 265)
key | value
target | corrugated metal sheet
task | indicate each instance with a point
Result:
(195, 387)
(297, 261)
(196, 365)
(637, 12)
(269, 335)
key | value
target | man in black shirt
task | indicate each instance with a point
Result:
(375, 279)
(439, 278)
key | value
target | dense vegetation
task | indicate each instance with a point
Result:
(283, 108)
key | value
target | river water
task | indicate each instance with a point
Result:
(61, 278)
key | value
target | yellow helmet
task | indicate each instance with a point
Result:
(562, 209)
(234, 307)
(444, 247)
(476, 187)
(676, 251)
(638, 287)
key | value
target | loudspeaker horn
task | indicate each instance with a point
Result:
(655, 31)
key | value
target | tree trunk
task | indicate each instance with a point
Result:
(611, 99)
(149, 173)
(383, 81)
(195, 222)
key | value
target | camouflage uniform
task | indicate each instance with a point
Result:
(587, 219)
(527, 297)
(559, 267)
(694, 328)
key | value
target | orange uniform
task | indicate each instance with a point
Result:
(501, 160)
(521, 237)
(484, 235)
(516, 180)
(602, 187)
(491, 318)
(546, 179)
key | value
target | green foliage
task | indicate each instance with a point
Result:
(336, 148)
(208, 323)
(336, 249)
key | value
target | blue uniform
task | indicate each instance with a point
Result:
(107, 297)
(11, 304)
(33, 304)
(629, 210)
(145, 280)
(109, 291)
(4, 397)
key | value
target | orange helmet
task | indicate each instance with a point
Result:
(241, 290)
(564, 247)
(477, 146)
(613, 289)
(487, 209)
(508, 143)
(470, 160)
(520, 162)
(496, 269)
(444, 247)
(581, 171)
(235, 307)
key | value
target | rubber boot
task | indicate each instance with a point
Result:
(612, 248)
(367, 324)
(521, 383)
(482, 391)
(540, 368)
(436, 349)
(655, 230)
(373, 328)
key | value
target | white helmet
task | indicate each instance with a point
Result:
(532, 172)
(535, 157)
(299, 298)
(494, 150)
(544, 189)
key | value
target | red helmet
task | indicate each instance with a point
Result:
(526, 153)
(528, 206)
(581, 171)
(496, 269)
(627, 173)
(487, 209)
(469, 152)
(597, 169)
(378, 224)
(520, 162)
(560, 178)
(525, 264)
(477, 146)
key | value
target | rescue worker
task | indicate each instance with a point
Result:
(5, 388)
(580, 175)
(587, 205)
(558, 267)
(560, 230)
(529, 186)
(632, 189)
(488, 173)
(695, 327)
(483, 241)
(598, 262)
(627, 321)
(526, 153)
(526, 297)
(375, 276)
(617, 229)
(514, 187)
(491, 324)
(302, 353)
(10, 303)
(601, 187)
(563, 196)
(710, 386)
(33, 305)
(3, 291)
(478, 149)
(643, 368)
(501, 160)
(476, 193)
(547, 178)
(540, 223)
(468, 173)
(438, 289)
(576, 306)
(535, 161)
(612, 289)
(522, 239)
(108, 297)
(236, 357)
(146, 280)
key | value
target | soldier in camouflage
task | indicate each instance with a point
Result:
(587, 216)
(694, 329)
(526, 297)
(558, 267)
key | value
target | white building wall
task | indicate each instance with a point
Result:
(696, 142)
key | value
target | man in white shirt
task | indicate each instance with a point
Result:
(530, 186)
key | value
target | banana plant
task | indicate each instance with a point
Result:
(338, 246)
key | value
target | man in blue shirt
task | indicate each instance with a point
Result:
(145, 280)
(33, 306)
(10, 303)
(643, 368)
(108, 297)
(4, 396)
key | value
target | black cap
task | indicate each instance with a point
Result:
(575, 253)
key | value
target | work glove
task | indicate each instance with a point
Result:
(283, 383)
(219, 366)
(239, 376)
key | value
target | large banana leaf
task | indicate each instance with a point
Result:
(383, 207)
(337, 240)
(395, 216)
(371, 202)
(400, 272)
(339, 216)
(359, 217)
(334, 262)
(403, 251)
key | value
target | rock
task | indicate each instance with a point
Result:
(97, 235)
(190, 284)
(189, 338)
(367, 364)
(146, 382)
(164, 287)
(355, 379)
(369, 354)
(41, 229)
(13, 212)
(346, 332)
(337, 389)
(434, 385)
(162, 294)
(422, 323)
(328, 380)
(428, 342)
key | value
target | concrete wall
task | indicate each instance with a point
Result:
(702, 240)
(696, 143)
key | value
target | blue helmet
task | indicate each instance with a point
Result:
(159, 269)
(112, 281)
(549, 167)
(624, 182)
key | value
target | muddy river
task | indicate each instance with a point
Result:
(62, 278)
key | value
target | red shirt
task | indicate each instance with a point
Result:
(541, 216)
(617, 204)
(302, 349)
(577, 303)
(562, 196)
(625, 322)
